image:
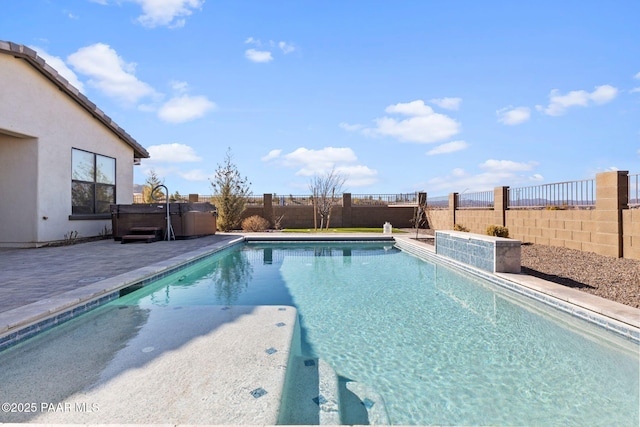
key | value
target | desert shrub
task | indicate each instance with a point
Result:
(557, 208)
(255, 223)
(498, 231)
(277, 222)
(460, 227)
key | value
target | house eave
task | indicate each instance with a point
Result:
(32, 58)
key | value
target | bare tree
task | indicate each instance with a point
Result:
(326, 190)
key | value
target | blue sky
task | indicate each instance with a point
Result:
(401, 96)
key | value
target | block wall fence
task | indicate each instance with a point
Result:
(345, 215)
(610, 228)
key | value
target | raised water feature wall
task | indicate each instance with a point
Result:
(488, 253)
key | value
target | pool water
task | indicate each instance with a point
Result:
(439, 346)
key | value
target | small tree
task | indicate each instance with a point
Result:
(177, 197)
(150, 183)
(324, 189)
(420, 215)
(230, 191)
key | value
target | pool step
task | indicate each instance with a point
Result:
(358, 399)
(203, 365)
(143, 234)
(312, 394)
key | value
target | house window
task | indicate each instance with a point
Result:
(93, 183)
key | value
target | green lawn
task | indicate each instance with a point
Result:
(340, 230)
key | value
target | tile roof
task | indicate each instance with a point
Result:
(32, 58)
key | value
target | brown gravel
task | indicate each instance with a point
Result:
(616, 279)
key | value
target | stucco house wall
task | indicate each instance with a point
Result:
(40, 123)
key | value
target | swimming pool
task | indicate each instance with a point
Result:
(439, 346)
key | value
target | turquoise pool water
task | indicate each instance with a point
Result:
(439, 346)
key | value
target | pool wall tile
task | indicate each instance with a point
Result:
(492, 254)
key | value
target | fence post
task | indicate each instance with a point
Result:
(267, 207)
(422, 198)
(500, 204)
(346, 209)
(193, 198)
(612, 196)
(453, 206)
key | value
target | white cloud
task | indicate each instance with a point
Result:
(179, 87)
(423, 125)
(513, 116)
(286, 47)
(506, 166)
(358, 175)
(449, 147)
(447, 103)
(195, 175)
(265, 53)
(109, 73)
(495, 173)
(258, 55)
(310, 162)
(273, 154)
(161, 171)
(172, 153)
(313, 162)
(559, 104)
(603, 94)
(184, 108)
(350, 128)
(636, 89)
(413, 108)
(169, 13)
(59, 65)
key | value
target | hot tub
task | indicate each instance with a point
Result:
(188, 220)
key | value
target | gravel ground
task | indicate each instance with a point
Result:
(616, 279)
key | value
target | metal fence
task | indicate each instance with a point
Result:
(295, 200)
(307, 199)
(439, 202)
(384, 199)
(576, 194)
(634, 201)
(479, 200)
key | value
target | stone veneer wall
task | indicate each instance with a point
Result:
(488, 253)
